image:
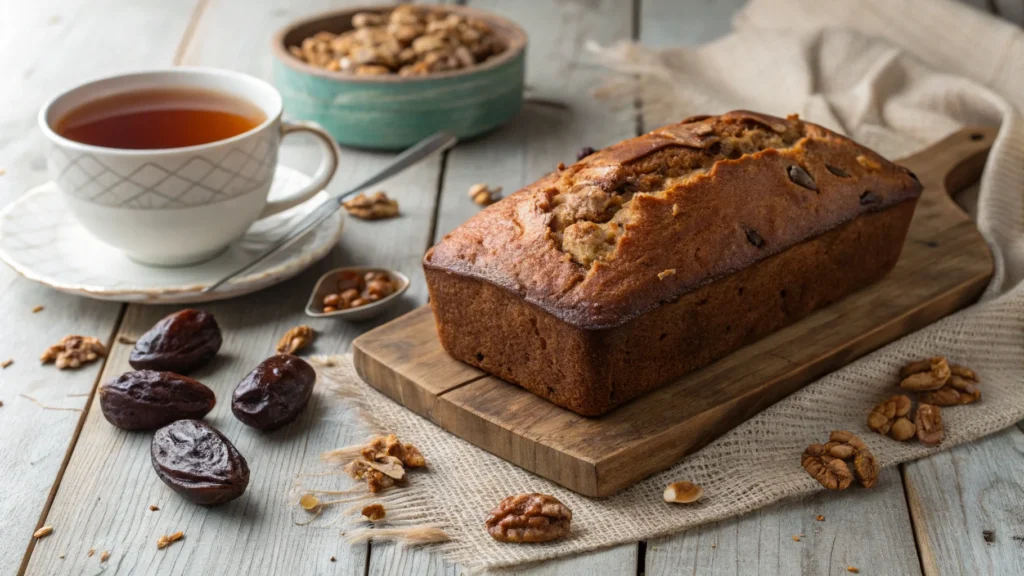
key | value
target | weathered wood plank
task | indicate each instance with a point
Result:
(48, 46)
(109, 483)
(966, 506)
(857, 530)
(513, 156)
(857, 527)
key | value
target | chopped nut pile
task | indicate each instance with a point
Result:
(484, 195)
(683, 492)
(356, 290)
(383, 461)
(295, 339)
(829, 463)
(408, 41)
(374, 207)
(73, 351)
(529, 518)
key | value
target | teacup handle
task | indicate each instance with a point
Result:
(323, 174)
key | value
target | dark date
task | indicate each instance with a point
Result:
(147, 399)
(275, 393)
(195, 460)
(180, 342)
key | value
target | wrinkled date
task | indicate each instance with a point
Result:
(198, 462)
(147, 399)
(180, 342)
(274, 393)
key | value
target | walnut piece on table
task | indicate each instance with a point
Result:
(529, 518)
(382, 462)
(374, 207)
(295, 339)
(73, 351)
(374, 512)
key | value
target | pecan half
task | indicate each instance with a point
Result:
(961, 388)
(929, 424)
(923, 375)
(529, 518)
(829, 471)
(865, 468)
(892, 417)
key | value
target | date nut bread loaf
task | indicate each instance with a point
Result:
(659, 254)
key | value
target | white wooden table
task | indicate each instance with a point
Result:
(959, 512)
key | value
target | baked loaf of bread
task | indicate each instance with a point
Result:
(662, 253)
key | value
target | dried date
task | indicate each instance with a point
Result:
(274, 393)
(529, 518)
(195, 460)
(147, 399)
(180, 342)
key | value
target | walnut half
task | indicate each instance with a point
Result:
(827, 463)
(374, 207)
(892, 417)
(73, 351)
(923, 375)
(529, 518)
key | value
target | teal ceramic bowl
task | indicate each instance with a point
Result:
(391, 112)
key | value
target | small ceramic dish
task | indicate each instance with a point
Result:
(391, 112)
(328, 284)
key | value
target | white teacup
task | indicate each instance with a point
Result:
(176, 206)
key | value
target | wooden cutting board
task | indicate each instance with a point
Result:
(945, 265)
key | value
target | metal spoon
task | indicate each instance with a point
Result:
(436, 143)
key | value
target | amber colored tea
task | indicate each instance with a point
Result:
(160, 118)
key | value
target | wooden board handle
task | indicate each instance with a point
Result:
(954, 163)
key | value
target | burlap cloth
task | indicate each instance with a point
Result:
(896, 76)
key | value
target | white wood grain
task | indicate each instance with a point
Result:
(513, 156)
(957, 495)
(858, 530)
(109, 482)
(47, 46)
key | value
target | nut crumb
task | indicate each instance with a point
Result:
(484, 195)
(6, 363)
(333, 559)
(666, 273)
(989, 536)
(560, 167)
(37, 309)
(295, 339)
(153, 507)
(165, 541)
(43, 532)
(819, 518)
(374, 512)
(374, 207)
(683, 492)
(714, 545)
(91, 552)
(61, 555)
(675, 210)
(853, 569)
(73, 351)
(104, 556)
(796, 538)
(126, 341)
(309, 502)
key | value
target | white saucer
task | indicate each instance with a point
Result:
(42, 241)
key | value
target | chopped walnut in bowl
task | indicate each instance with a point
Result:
(356, 293)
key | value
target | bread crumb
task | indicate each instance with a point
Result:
(666, 273)
(6, 363)
(153, 507)
(61, 555)
(105, 556)
(37, 309)
(43, 532)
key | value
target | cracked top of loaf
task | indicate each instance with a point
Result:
(648, 219)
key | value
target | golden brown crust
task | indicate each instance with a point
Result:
(587, 244)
